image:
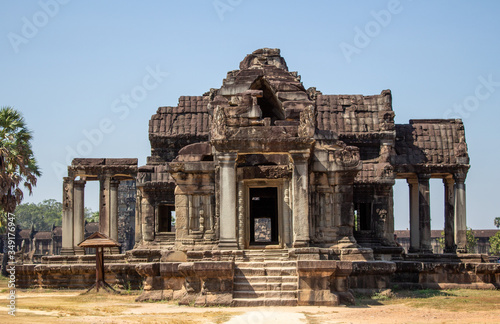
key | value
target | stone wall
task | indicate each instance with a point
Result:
(433, 275)
(76, 276)
(209, 283)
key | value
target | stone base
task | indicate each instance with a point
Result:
(356, 254)
(228, 245)
(67, 251)
(79, 251)
(284, 277)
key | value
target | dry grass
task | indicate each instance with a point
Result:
(71, 306)
(460, 300)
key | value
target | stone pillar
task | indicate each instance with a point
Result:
(113, 209)
(104, 204)
(414, 216)
(383, 208)
(227, 164)
(460, 214)
(241, 215)
(287, 222)
(138, 213)
(424, 213)
(449, 216)
(148, 216)
(343, 183)
(67, 220)
(300, 194)
(79, 213)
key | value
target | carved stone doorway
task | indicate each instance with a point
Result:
(264, 222)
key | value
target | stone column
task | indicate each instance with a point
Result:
(241, 215)
(424, 213)
(227, 203)
(300, 194)
(460, 214)
(414, 216)
(449, 216)
(104, 204)
(148, 216)
(287, 222)
(343, 183)
(79, 212)
(113, 209)
(138, 213)
(67, 220)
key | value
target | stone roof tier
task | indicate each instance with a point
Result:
(431, 144)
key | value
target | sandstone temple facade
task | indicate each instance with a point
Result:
(314, 170)
(263, 169)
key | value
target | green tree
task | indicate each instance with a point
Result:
(471, 240)
(18, 166)
(497, 222)
(91, 216)
(495, 244)
(440, 241)
(42, 215)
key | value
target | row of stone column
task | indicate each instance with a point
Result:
(73, 222)
(454, 214)
(228, 200)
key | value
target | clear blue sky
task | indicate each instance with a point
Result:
(69, 66)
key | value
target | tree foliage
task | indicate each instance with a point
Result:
(18, 167)
(471, 240)
(495, 244)
(46, 214)
(42, 215)
(441, 241)
(91, 216)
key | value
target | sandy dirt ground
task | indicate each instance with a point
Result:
(71, 307)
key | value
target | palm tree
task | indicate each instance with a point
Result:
(18, 167)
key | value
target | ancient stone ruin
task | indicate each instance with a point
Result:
(263, 192)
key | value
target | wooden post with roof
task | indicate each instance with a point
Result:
(99, 241)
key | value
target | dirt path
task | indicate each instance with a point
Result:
(71, 307)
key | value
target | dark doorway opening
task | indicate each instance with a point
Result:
(264, 216)
(166, 218)
(363, 213)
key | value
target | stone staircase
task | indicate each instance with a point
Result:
(265, 278)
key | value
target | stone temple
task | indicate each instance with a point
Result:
(263, 192)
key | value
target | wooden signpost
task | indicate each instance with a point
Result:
(99, 241)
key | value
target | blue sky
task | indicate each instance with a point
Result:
(78, 70)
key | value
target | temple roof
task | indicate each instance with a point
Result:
(190, 117)
(264, 81)
(431, 142)
(354, 114)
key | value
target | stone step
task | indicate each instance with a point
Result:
(267, 294)
(253, 302)
(264, 259)
(265, 264)
(265, 286)
(284, 271)
(266, 279)
(265, 253)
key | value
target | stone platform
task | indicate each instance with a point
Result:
(257, 277)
